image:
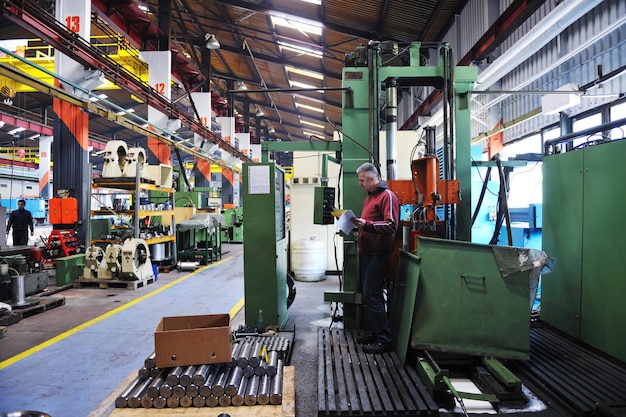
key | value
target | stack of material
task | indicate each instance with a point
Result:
(254, 376)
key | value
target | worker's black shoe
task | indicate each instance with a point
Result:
(379, 346)
(366, 339)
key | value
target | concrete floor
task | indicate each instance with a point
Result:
(67, 360)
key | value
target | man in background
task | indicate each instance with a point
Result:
(21, 220)
(377, 231)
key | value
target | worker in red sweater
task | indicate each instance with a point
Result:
(377, 228)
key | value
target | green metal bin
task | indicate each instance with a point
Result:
(464, 303)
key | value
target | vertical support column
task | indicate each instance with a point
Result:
(70, 144)
(464, 80)
(159, 74)
(202, 168)
(45, 146)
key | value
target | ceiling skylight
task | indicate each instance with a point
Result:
(306, 73)
(301, 50)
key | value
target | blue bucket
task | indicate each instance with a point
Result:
(155, 270)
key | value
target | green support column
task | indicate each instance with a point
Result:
(464, 79)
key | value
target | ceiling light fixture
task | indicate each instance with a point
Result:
(240, 86)
(211, 41)
(259, 113)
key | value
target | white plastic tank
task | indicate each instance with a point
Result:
(308, 259)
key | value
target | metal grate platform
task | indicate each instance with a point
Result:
(351, 382)
(584, 381)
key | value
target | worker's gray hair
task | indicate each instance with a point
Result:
(369, 170)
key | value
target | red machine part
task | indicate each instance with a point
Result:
(61, 243)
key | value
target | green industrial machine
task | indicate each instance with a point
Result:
(373, 76)
(232, 232)
(199, 239)
(265, 246)
(583, 229)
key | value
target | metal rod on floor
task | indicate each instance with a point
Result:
(234, 379)
(154, 388)
(134, 401)
(159, 402)
(201, 373)
(122, 400)
(220, 382)
(238, 398)
(206, 389)
(252, 390)
(276, 394)
(186, 377)
(263, 396)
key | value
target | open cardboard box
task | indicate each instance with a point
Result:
(192, 340)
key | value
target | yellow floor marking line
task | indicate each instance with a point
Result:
(50, 342)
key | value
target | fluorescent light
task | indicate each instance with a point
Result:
(119, 113)
(16, 130)
(308, 134)
(98, 97)
(317, 2)
(304, 106)
(317, 125)
(300, 49)
(298, 84)
(306, 73)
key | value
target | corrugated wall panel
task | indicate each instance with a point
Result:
(609, 52)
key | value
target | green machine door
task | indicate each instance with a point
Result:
(604, 247)
(562, 239)
(265, 244)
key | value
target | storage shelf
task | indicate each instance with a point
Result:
(129, 184)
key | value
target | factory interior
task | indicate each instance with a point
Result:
(191, 172)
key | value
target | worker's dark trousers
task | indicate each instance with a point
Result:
(20, 237)
(374, 270)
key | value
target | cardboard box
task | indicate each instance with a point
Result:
(192, 340)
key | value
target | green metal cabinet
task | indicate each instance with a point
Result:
(265, 244)
(584, 229)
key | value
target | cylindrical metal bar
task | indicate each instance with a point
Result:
(201, 374)
(174, 376)
(186, 401)
(146, 402)
(186, 377)
(276, 393)
(150, 361)
(143, 373)
(159, 402)
(235, 354)
(271, 366)
(211, 401)
(153, 389)
(254, 359)
(122, 400)
(205, 389)
(261, 369)
(234, 379)
(220, 382)
(251, 390)
(239, 397)
(178, 391)
(154, 372)
(248, 371)
(199, 401)
(173, 402)
(165, 390)
(191, 390)
(134, 401)
(225, 400)
(244, 353)
(263, 395)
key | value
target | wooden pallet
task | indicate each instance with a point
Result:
(286, 409)
(35, 305)
(112, 283)
(351, 382)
